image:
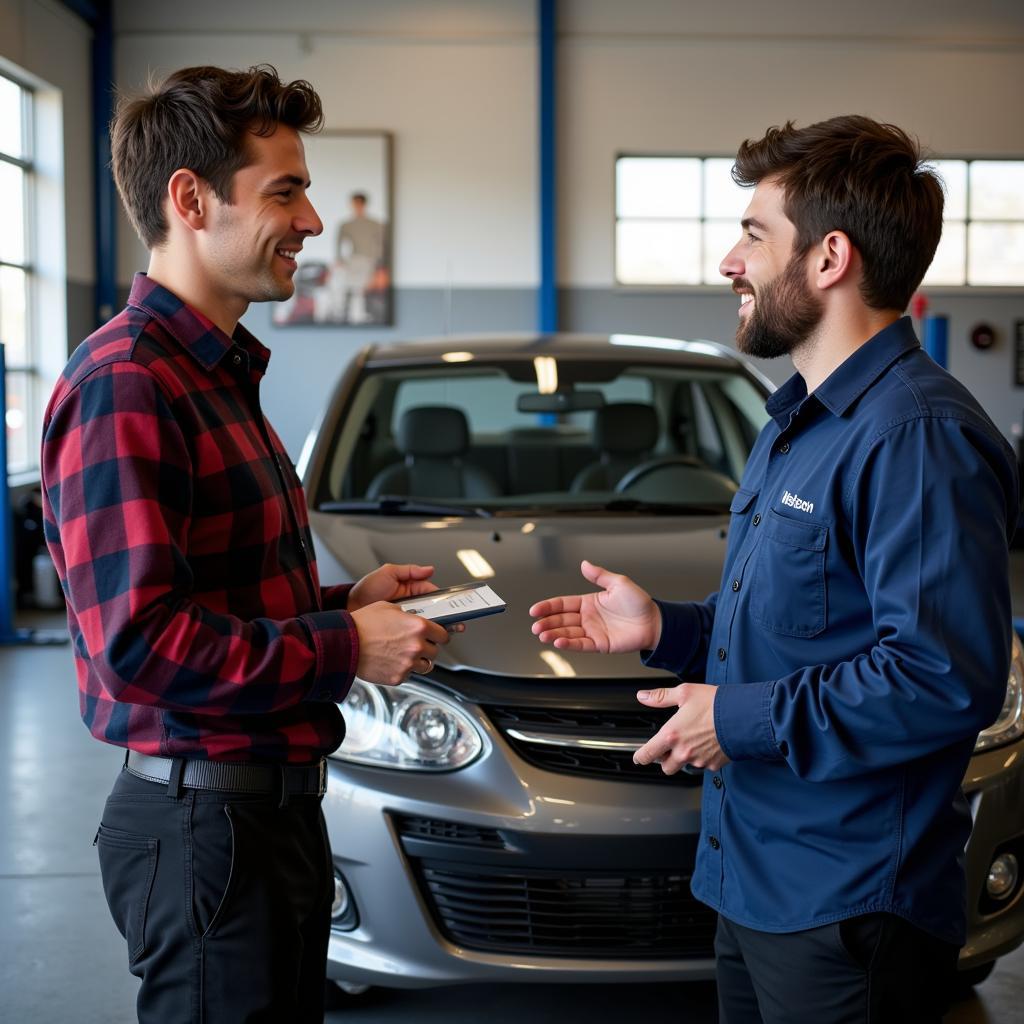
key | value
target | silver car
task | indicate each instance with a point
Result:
(487, 820)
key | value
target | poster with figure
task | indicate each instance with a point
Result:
(344, 274)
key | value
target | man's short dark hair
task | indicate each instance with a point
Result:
(359, 197)
(199, 118)
(866, 179)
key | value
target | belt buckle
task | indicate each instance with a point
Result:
(323, 776)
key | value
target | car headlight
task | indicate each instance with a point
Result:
(1009, 726)
(407, 727)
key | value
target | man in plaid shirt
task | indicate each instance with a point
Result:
(204, 643)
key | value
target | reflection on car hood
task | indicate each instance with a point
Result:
(676, 558)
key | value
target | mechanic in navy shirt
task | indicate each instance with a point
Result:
(860, 639)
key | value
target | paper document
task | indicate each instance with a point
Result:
(455, 604)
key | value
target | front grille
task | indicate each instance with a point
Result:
(572, 725)
(604, 915)
(448, 831)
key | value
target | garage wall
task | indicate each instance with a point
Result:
(455, 80)
(662, 77)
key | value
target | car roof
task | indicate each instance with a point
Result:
(527, 346)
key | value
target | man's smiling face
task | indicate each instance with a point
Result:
(778, 310)
(255, 238)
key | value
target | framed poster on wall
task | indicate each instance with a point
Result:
(1018, 353)
(344, 274)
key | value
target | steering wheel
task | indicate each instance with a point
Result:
(645, 469)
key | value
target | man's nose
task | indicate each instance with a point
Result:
(308, 222)
(731, 265)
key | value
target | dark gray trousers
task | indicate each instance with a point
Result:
(875, 969)
(224, 900)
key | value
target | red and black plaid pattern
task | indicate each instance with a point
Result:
(179, 530)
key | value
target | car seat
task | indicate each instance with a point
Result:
(624, 434)
(433, 440)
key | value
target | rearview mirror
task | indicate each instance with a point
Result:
(560, 401)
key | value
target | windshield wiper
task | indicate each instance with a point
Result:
(658, 507)
(389, 506)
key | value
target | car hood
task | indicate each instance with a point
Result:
(677, 558)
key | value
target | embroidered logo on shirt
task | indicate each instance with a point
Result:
(795, 501)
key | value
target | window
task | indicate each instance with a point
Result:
(983, 230)
(16, 277)
(676, 218)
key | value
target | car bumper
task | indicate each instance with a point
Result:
(994, 787)
(570, 824)
(400, 938)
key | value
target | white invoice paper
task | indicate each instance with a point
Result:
(455, 604)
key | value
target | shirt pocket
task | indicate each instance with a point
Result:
(788, 594)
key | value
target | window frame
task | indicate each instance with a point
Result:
(964, 289)
(30, 369)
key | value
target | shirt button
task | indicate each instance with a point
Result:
(784, 447)
(236, 359)
(735, 585)
(757, 518)
(717, 780)
(715, 844)
(721, 654)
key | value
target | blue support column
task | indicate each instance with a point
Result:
(936, 339)
(547, 298)
(105, 192)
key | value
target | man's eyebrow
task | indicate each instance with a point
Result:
(289, 179)
(752, 222)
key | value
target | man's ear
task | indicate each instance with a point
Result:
(833, 260)
(188, 198)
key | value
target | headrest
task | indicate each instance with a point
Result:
(625, 428)
(433, 431)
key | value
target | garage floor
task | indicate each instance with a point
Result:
(61, 959)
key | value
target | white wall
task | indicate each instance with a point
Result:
(659, 76)
(455, 81)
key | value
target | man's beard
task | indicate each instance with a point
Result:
(785, 313)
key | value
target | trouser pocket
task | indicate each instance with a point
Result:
(215, 852)
(127, 867)
(860, 937)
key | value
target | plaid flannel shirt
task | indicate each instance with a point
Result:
(179, 530)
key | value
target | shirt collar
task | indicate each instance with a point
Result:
(199, 336)
(848, 381)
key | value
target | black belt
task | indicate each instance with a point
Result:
(285, 780)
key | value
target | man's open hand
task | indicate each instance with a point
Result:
(620, 618)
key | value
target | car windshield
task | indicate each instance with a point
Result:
(570, 437)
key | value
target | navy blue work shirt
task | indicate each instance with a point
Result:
(860, 640)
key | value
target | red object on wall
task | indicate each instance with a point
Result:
(919, 305)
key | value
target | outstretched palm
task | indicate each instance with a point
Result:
(620, 618)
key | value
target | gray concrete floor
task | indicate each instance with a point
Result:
(62, 961)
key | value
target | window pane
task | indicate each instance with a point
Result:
(13, 304)
(657, 187)
(950, 261)
(995, 254)
(11, 127)
(719, 237)
(652, 252)
(954, 176)
(722, 196)
(12, 213)
(997, 189)
(19, 444)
